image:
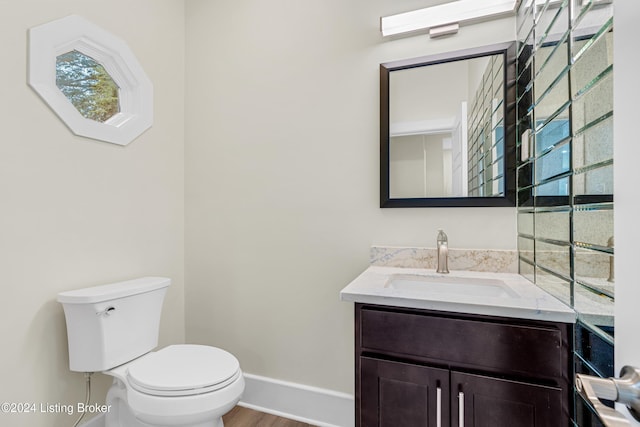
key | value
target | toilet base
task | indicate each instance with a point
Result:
(121, 415)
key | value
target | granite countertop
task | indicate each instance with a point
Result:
(508, 294)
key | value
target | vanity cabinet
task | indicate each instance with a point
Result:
(427, 368)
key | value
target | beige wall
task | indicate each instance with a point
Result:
(282, 177)
(281, 195)
(77, 212)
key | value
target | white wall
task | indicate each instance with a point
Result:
(282, 177)
(407, 166)
(428, 93)
(626, 155)
(77, 212)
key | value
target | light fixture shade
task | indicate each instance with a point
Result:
(456, 12)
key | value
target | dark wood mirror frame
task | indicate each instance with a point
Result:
(508, 50)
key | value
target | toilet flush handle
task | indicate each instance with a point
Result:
(106, 312)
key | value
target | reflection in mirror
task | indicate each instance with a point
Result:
(430, 158)
(87, 85)
(446, 131)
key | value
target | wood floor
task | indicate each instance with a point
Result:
(244, 417)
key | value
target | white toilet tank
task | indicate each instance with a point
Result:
(112, 324)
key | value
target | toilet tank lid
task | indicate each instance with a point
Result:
(113, 290)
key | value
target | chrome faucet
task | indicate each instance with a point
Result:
(443, 253)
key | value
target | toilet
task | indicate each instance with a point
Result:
(113, 329)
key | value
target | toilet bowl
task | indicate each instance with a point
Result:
(179, 385)
(113, 329)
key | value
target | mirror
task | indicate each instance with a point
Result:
(447, 133)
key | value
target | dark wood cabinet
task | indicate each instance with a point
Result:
(495, 402)
(423, 368)
(402, 394)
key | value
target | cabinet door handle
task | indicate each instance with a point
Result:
(438, 407)
(461, 409)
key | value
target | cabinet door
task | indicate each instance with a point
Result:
(479, 401)
(394, 394)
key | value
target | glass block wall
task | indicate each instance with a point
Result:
(565, 168)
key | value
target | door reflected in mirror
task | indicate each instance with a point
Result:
(446, 131)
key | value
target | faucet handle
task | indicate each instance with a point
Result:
(443, 252)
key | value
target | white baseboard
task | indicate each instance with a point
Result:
(312, 405)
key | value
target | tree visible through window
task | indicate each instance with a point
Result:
(87, 85)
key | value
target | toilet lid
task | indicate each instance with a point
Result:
(181, 370)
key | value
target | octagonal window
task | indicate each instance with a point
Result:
(91, 79)
(88, 86)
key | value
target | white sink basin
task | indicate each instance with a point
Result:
(450, 285)
(461, 291)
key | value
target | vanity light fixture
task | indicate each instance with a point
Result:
(444, 30)
(442, 18)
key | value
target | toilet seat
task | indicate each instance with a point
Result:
(183, 370)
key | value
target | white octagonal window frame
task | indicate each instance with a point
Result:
(48, 41)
